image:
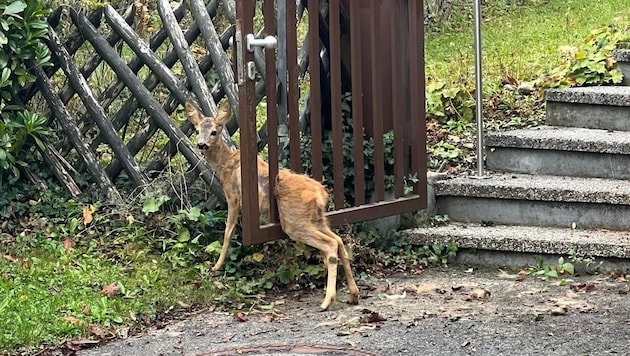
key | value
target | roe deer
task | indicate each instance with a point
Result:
(301, 200)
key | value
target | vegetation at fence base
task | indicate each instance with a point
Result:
(22, 28)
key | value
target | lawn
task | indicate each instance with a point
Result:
(519, 40)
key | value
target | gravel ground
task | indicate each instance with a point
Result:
(454, 311)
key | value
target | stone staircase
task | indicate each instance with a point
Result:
(551, 189)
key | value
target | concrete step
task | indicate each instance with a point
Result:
(526, 239)
(603, 107)
(565, 151)
(536, 200)
(622, 56)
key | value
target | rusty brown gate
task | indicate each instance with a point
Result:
(370, 49)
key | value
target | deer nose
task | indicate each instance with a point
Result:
(202, 146)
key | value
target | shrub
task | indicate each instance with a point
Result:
(22, 28)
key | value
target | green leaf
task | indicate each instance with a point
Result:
(4, 77)
(184, 235)
(214, 248)
(152, 204)
(193, 214)
(569, 268)
(14, 9)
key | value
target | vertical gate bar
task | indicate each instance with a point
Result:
(398, 101)
(315, 90)
(416, 91)
(293, 94)
(357, 102)
(377, 117)
(335, 101)
(281, 67)
(249, 147)
(272, 111)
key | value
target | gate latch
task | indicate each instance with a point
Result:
(251, 70)
(267, 42)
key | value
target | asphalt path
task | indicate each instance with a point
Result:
(450, 311)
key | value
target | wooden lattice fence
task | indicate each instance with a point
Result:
(112, 111)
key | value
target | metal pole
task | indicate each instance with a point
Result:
(479, 91)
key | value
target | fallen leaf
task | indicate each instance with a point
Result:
(559, 311)
(582, 287)
(396, 296)
(110, 290)
(480, 294)
(240, 316)
(87, 215)
(70, 319)
(11, 258)
(373, 317)
(86, 310)
(67, 244)
(97, 331)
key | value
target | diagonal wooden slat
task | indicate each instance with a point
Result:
(213, 45)
(99, 116)
(148, 102)
(63, 117)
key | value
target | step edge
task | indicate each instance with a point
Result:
(517, 240)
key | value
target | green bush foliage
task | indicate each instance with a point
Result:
(22, 28)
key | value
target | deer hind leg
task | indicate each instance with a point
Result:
(329, 247)
(345, 261)
(233, 211)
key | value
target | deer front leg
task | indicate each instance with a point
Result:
(233, 211)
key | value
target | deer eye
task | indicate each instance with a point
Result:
(213, 133)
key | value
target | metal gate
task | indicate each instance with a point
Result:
(373, 49)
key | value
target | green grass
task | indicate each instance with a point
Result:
(519, 40)
(48, 294)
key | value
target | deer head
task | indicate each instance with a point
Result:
(208, 128)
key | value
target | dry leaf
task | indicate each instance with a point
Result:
(375, 317)
(11, 258)
(240, 316)
(67, 244)
(70, 319)
(582, 287)
(559, 311)
(480, 294)
(97, 331)
(86, 310)
(110, 290)
(87, 215)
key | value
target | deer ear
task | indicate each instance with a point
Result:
(194, 116)
(223, 114)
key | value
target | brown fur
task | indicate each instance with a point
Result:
(301, 201)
